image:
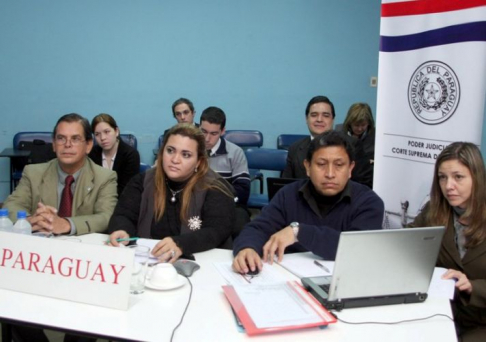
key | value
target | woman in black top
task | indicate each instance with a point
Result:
(112, 152)
(180, 201)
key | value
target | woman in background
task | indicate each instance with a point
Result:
(181, 201)
(360, 125)
(458, 201)
(112, 152)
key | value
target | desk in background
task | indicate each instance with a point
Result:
(153, 315)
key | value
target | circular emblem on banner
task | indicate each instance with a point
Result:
(433, 92)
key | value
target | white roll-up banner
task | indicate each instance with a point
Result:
(431, 92)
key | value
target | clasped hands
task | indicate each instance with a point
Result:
(248, 259)
(46, 220)
(162, 250)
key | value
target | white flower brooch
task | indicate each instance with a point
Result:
(195, 223)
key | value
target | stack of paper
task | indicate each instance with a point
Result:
(277, 307)
(267, 302)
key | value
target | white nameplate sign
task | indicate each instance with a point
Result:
(79, 272)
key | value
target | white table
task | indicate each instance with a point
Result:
(153, 315)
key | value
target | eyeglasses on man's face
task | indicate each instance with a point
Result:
(74, 140)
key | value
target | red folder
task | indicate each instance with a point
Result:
(252, 329)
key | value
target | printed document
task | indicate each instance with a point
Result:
(441, 287)
(276, 305)
(303, 265)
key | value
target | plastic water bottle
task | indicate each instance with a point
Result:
(5, 224)
(22, 226)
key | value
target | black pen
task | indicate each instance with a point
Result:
(322, 266)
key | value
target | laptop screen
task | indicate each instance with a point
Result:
(385, 262)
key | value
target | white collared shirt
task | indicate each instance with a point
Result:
(215, 147)
(104, 161)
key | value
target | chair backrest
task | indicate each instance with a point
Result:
(144, 167)
(130, 139)
(31, 136)
(245, 138)
(266, 159)
(40, 146)
(285, 140)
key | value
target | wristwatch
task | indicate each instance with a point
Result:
(295, 229)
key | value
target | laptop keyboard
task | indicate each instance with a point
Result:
(325, 287)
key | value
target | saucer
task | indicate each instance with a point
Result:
(180, 280)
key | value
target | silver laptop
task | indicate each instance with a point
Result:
(379, 267)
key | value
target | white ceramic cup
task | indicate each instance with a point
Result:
(163, 274)
(139, 269)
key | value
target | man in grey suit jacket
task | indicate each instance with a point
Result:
(94, 188)
(319, 116)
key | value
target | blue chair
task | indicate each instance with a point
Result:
(31, 136)
(130, 139)
(285, 140)
(264, 159)
(247, 139)
(156, 150)
(20, 140)
(144, 167)
(244, 138)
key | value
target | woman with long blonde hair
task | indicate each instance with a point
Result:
(181, 201)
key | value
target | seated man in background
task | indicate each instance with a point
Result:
(228, 160)
(309, 215)
(319, 115)
(183, 111)
(70, 194)
(225, 158)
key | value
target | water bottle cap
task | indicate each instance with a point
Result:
(3, 212)
(21, 214)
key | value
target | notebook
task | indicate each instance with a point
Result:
(379, 267)
(275, 184)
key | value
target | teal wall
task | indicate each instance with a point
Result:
(261, 61)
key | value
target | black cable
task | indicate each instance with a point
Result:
(185, 310)
(391, 323)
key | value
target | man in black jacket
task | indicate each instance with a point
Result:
(319, 115)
